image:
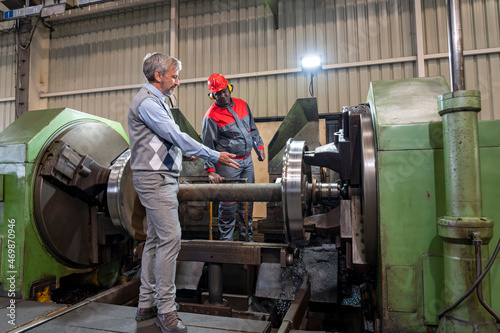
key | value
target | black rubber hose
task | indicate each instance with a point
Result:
(478, 281)
(480, 285)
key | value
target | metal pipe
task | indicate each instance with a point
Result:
(455, 45)
(215, 283)
(246, 221)
(210, 227)
(230, 192)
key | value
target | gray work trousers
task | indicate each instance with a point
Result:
(227, 209)
(158, 194)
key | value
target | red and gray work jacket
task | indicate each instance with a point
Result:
(230, 129)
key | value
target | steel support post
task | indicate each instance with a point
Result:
(215, 283)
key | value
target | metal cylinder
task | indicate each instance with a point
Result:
(230, 192)
(215, 283)
(323, 191)
(455, 46)
(460, 273)
(461, 152)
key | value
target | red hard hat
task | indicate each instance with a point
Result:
(216, 82)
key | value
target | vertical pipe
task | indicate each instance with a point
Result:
(246, 221)
(174, 27)
(210, 231)
(419, 37)
(455, 45)
(215, 283)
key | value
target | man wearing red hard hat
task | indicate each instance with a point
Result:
(228, 126)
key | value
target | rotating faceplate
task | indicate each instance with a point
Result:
(62, 219)
(369, 184)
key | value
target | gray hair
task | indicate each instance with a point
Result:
(158, 62)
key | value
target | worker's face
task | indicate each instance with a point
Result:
(223, 97)
(168, 81)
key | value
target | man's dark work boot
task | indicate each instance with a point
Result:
(145, 313)
(170, 322)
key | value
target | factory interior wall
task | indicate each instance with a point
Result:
(7, 76)
(93, 60)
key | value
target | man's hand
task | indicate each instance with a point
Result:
(226, 159)
(189, 158)
(215, 178)
(263, 154)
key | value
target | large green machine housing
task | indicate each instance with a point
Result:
(411, 197)
(47, 233)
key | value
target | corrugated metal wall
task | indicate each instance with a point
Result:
(240, 37)
(359, 40)
(104, 51)
(7, 78)
(481, 30)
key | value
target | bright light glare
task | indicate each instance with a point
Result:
(311, 62)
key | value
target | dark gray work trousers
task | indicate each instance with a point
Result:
(227, 209)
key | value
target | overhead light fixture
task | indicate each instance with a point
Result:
(310, 62)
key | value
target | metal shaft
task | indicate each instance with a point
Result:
(455, 46)
(230, 192)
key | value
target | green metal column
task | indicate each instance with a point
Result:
(463, 218)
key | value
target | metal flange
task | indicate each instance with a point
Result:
(125, 209)
(369, 187)
(296, 201)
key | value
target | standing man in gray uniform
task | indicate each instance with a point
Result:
(228, 126)
(156, 144)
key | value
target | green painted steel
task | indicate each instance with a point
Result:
(461, 147)
(458, 101)
(464, 221)
(34, 128)
(191, 169)
(412, 196)
(1, 187)
(410, 101)
(429, 136)
(23, 255)
(401, 296)
(301, 123)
